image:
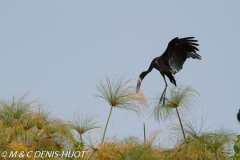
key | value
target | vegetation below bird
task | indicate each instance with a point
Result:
(29, 126)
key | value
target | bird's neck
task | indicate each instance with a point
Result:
(144, 73)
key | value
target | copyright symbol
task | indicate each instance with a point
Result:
(4, 154)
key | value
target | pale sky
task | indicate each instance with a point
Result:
(57, 50)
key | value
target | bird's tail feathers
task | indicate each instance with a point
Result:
(172, 79)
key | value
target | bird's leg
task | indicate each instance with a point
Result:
(164, 92)
(162, 98)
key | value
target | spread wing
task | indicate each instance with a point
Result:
(179, 50)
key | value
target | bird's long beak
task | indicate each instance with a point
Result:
(138, 84)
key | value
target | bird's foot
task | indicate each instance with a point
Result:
(162, 99)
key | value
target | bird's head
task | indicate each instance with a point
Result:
(138, 84)
(141, 76)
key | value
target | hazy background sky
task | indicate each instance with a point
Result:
(58, 49)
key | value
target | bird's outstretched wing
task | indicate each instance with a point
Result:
(179, 50)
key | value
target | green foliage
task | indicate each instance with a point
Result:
(119, 94)
(180, 96)
(212, 145)
(78, 145)
(202, 144)
(83, 122)
(236, 148)
(130, 148)
(29, 126)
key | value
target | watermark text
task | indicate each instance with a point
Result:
(42, 154)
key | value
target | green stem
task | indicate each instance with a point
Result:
(80, 138)
(106, 124)
(144, 133)
(181, 125)
(81, 142)
(91, 155)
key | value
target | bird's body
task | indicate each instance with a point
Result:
(172, 60)
(238, 116)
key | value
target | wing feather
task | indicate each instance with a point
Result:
(179, 50)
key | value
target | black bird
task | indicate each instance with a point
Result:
(172, 60)
(238, 116)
